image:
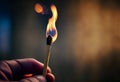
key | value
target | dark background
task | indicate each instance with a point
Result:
(88, 45)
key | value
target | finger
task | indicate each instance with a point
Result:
(31, 65)
(50, 77)
(5, 71)
(34, 79)
(20, 67)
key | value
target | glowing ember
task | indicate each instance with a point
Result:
(28, 75)
(39, 8)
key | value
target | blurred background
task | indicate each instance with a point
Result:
(88, 45)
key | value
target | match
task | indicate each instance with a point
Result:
(46, 62)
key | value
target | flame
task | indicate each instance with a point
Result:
(39, 8)
(51, 27)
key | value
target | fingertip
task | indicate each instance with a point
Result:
(49, 70)
(50, 77)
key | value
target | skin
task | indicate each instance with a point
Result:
(16, 70)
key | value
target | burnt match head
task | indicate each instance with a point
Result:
(49, 40)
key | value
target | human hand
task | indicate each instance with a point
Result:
(17, 70)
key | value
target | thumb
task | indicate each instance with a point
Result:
(34, 79)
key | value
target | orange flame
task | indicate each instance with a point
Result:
(39, 8)
(51, 27)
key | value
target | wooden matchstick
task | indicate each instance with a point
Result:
(49, 42)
